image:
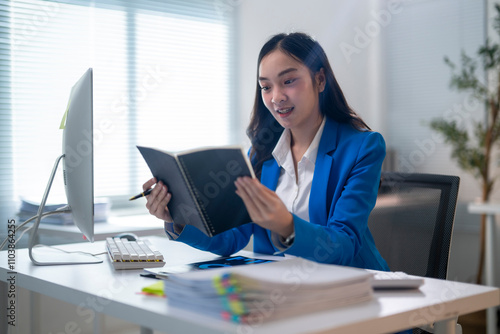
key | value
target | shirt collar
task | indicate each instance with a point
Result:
(312, 151)
(282, 148)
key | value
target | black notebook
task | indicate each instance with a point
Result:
(202, 185)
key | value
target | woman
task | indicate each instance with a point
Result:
(318, 164)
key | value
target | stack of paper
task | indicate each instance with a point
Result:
(29, 208)
(268, 291)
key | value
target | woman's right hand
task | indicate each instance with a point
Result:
(158, 199)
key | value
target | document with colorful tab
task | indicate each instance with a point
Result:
(268, 291)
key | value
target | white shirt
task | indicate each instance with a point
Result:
(294, 187)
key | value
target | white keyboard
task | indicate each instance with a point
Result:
(395, 280)
(137, 254)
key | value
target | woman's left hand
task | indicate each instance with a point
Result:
(264, 206)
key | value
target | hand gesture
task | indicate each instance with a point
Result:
(158, 199)
(264, 206)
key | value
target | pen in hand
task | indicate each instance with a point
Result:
(143, 194)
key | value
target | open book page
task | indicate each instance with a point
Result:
(182, 206)
(212, 173)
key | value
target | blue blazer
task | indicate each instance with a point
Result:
(343, 193)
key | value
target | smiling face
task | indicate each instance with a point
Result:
(289, 92)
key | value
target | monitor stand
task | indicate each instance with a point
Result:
(49, 256)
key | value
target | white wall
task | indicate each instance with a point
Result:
(331, 23)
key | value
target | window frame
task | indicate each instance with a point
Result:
(210, 11)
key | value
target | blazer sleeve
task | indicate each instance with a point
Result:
(224, 244)
(340, 239)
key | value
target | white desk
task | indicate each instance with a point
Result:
(490, 210)
(140, 225)
(437, 301)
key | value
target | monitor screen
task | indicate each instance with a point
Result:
(78, 155)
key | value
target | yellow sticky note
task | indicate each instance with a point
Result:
(63, 121)
(155, 289)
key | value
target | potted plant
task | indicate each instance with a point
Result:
(473, 149)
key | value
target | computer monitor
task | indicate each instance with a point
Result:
(78, 154)
(78, 173)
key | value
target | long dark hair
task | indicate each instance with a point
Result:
(264, 131)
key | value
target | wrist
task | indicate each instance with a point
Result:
(288, 231)
(288, 241)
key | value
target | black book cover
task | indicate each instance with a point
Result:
(202, 186)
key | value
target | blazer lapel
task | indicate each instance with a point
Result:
(269, 178)
(317, 201)
(270, 174)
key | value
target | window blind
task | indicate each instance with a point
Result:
(162, 77)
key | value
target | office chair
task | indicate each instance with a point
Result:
(412, 222)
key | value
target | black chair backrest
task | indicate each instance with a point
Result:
(412, 222)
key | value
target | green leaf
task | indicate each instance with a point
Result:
(468, 150)
(490, 55)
